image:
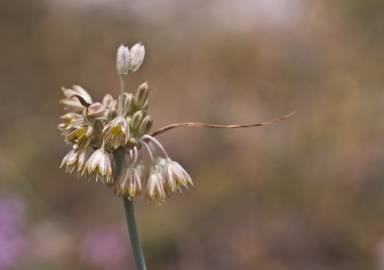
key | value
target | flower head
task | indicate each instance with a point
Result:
(110, 138)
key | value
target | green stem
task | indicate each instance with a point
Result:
(134, 235)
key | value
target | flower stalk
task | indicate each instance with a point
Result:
(134, 234)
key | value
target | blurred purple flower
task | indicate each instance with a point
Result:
(12, 239)
(106, 248)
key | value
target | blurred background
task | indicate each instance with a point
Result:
(306, 193)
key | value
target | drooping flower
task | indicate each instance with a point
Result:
(128, 184)
(70, 160)
(155, 189)
(116, 132)
(75, 159)
(175, 175)
(79, 133)
(99, 165)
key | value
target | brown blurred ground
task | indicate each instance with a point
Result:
(304, 194)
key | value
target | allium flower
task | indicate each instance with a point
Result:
(99, 165)
(79, 133)
(75, 159)
(176, 176)
(128, 184)
(156, 185)
(70, 161)
(116, 132)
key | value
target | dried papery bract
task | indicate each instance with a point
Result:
(129, 60)
(111, 138)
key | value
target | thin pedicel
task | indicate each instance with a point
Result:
(109, 139)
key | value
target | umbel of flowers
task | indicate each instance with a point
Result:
(110, 138)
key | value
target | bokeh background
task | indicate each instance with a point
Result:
(307, 193)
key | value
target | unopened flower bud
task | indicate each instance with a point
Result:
(109, 102)
(146, 125)
(137, 117)
(95, 110)
(127, 102)
(122, 61)
(141, 95)
(136, 56)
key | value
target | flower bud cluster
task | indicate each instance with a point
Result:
(110, 138)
